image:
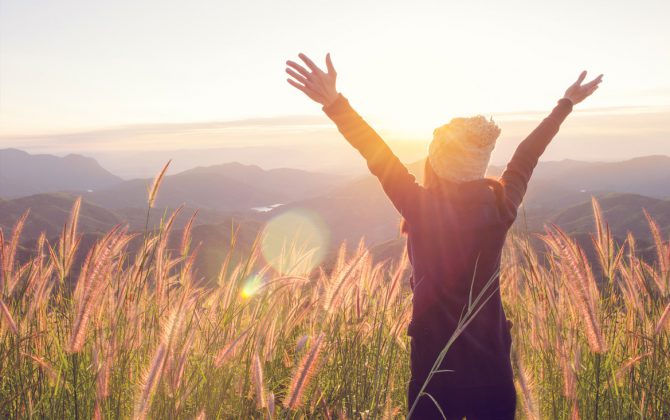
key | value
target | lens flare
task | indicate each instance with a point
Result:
(251, 286)
(295, 241)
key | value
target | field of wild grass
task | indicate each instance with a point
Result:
(136, 335)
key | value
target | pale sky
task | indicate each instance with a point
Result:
(73, 66)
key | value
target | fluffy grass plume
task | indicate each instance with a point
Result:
(155, 186)
(124, 329)
(306, 369)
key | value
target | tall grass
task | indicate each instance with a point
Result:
(139, 335)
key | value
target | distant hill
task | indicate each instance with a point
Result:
(23, 174)
(198, 190)
(226, 188)
(559, 192)
(561, 183)
(136, 217)
(648, 176)
(49, 212)
(358, 209)
(567, 182)
(623, 212)
(294, 184)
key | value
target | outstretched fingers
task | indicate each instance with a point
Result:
(307, 89)
(298, 67)
(312, 81)
(580, 79)
(297, 85)
(296, 76)
(329, 65)
(310, 63)
(594, 82)
(577, 92)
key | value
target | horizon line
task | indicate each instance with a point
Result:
(297, 121)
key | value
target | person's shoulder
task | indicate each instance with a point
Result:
(482, 190)
(482, 203)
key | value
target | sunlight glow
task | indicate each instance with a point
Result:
(295, 241)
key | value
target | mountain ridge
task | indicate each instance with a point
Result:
(23, 174)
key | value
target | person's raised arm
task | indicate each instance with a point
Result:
(320, 86)
(519, 170)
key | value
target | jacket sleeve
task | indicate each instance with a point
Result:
(398, 184)
(517, 174)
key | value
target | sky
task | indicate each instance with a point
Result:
(124, 76)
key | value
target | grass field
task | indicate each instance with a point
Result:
(140, 336)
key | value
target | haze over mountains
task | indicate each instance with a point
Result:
(648, 175)
(351, 207)
(226, 187)
(23, 174)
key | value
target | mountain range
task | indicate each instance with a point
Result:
(235, 194)
(23, 174)
(227, 187)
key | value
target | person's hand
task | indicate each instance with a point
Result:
(577, 92)
(317, 84)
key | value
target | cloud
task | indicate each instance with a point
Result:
(166, 136)
(593, 134)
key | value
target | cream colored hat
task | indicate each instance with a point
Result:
(461, 150)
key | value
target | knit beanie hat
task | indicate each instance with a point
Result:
(461, 150)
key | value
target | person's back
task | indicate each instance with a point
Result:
(456, 225)
(454, 244)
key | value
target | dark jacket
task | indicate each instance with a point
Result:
(455, 238)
